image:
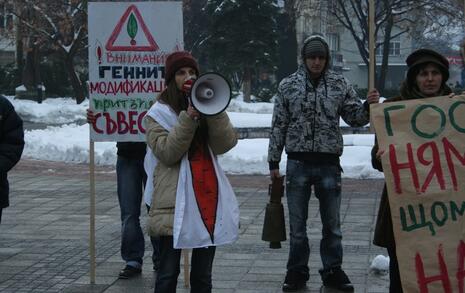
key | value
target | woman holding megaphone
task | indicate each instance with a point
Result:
(193, 204)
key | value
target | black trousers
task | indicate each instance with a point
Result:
(201, 268)
(395, 286)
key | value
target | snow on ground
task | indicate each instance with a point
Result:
(68, 139)
(50, 111)
(380, 264)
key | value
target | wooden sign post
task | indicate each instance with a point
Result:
(371, 45)
(128, 45)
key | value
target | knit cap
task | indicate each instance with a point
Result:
(177, 60)
(314, 47)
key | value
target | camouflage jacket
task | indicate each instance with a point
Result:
(306, 119)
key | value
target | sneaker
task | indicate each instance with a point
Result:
(129, 272)
(294, 282)
(336, 278)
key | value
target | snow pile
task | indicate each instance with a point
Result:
(380, 264)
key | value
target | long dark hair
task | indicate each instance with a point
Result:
(178, 101)
(174, 98)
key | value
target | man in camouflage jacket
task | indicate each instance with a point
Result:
(306, 117)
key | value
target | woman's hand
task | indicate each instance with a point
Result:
(194, 114)
(379, 153)
(451, 95)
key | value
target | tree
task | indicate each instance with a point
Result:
(56, 27)
(287, 56)
(441, 28)
(390, 14)
(195, 25)
(241, 38)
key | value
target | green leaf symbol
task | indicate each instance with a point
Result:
(132, 26)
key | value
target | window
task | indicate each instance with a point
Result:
(333, 42)
(6, 16)
(9, 22)
(394, 48)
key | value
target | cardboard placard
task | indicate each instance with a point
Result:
(424, 168)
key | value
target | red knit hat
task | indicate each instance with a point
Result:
(177, 60)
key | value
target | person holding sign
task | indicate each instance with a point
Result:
(427, 74)
(305, 121)
(131, 180)
(193, 205)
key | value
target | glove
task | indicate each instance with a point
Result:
(187, 85)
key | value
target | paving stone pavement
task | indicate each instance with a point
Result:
(44, 236)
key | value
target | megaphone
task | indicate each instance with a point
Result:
(210, 94)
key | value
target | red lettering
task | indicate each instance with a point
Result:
(423, 281)
(140, 120)
(123, 126)
(109, 57)
(111, 124)
(94, 125)
(132, 121)
(150, 87)
(396, 167)
(460, 265)
(448, 149)
(435, 168)
(142, 86)
(136, 59)
(94, 87)
(119, 88)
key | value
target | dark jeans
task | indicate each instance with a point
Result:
(201, 268)
(395, 285)
(130, 181)
(326, 181)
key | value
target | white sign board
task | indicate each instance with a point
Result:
(128, 45)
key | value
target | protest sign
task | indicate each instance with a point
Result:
(128, 45)
(424, 167)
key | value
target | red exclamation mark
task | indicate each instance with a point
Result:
(99, 54)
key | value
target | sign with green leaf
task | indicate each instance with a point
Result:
(132, 28)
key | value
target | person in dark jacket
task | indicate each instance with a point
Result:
(11, 146)
(130, 182)
(427, 75)
(306, 116)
